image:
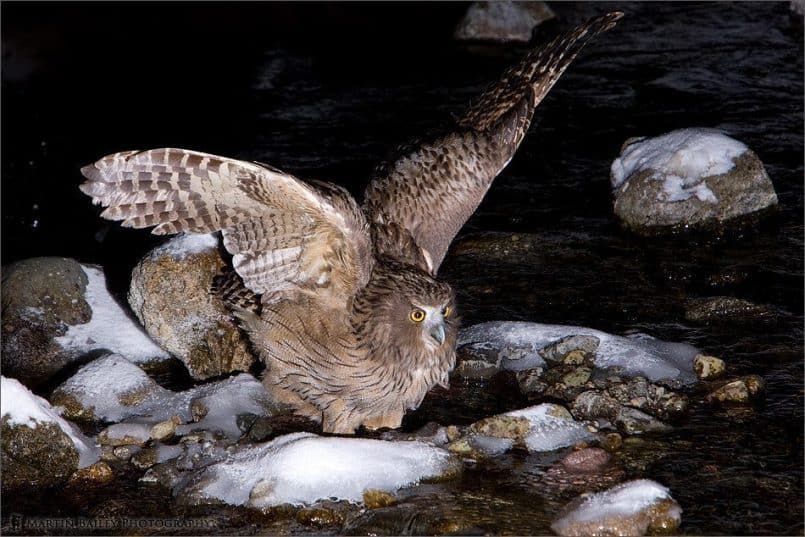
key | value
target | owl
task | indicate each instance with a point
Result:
(340, 299)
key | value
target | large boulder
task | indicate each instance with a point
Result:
(170, 294)
(57, 311)
(689, 179)
(39, 447)
(503, 20)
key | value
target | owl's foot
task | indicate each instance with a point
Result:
(391, 420)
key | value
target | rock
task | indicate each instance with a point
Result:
(124, 452)
(741, 390)
(652, 398)
(575, 346)
(611, 442)
(503, 426)
(688, 179)
(476, 446)
(40, 298)
(148, 457)
(125, 434)
(637, 355)
(632, 508)
(374, 499)
(39, 447)
(724, 309)
(302, 468)
(708, 367)
(99, 473)
(592, 405)
(503, 20)
(170, 294)
(165, 430)
(587, 469)
(110, 389)
(319, 517)
(57, 311)
(586, 460)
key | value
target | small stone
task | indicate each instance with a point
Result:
(144, 459)
(453, 433)
(708, 367)
(165, 430)
(738, 391)
(260, 430)
(94, 474)
(577, 377)
(374, 499)
(505, 20)
(586, 460)
(611, 442)
(124, 453)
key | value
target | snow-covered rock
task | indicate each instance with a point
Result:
(170, 294)
(502, 20)
(551, 427)
(302, 468)
(39, 447)
(56, 311)
(111, 389)
(688, 178)
(631, 508)
(516, 346)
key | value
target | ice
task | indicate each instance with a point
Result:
(639, 355)
(302, 468)
(682, 159)
(187, 244)
(24, 408)
(110, 327)
(615, 506)
(552, 427)
(117, 390)
(139, 430)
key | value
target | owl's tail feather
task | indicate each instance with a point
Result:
(534, 75)
(228, 287)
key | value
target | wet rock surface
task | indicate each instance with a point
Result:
(170, 294)
(40, 298)
(725, 309)
(691, 178)
(504, 20)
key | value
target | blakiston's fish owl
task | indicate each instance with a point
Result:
(345, 309)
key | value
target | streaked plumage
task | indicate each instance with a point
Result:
(341, 301)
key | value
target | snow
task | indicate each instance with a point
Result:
(622, 501)
(301, 468)
(637, 355)
(187, 244)
(110, 327)
(139, 430)
(24, 408)
(102, 384)
(549, 429)
(682, 159)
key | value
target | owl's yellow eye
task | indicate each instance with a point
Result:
(417, 315)
(446, 311)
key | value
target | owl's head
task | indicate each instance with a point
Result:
(405, 308)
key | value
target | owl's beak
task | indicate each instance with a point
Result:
(437, 333)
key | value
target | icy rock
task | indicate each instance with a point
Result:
(39, 447)
(688, 178)
(552, 427)
(132, 433)
(302, 468)
(502, 20)
(638, 355)
(170, 294)
(592, 405)
(632, 508)
(110, 389)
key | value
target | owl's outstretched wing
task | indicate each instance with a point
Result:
(435, 186)
(285, 235)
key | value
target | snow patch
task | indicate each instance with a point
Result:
(638, 355)
(187, 244)
(302, 468)
(110, 327)
(682, 159)
(549, 429)
(24, 408)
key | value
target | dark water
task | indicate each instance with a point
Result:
(325, 91)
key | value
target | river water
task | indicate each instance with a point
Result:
(328, 101)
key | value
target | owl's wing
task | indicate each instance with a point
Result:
(285, 235)
(434, 186)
